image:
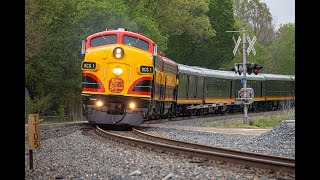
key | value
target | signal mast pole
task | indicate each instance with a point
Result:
(245, 118)
(245, 99)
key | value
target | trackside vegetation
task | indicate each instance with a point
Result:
(261, 121)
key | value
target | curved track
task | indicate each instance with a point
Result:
(274, 163)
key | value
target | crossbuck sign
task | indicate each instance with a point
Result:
(237, 45)
(251, 43)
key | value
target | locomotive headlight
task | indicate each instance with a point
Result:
(118, 52)
(132, 105)
(117, 71)
(99, 103)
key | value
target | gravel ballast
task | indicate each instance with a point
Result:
(75, 153)
(280, 141)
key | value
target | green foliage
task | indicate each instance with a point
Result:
(282, 50)
(267, 122)
(60, 112)
(171, 18)
(181, 49)
(219, 48)
(256, 14)
(150, 29)
(39, 105)
(211, 52)
(59, 27)
(178, 17)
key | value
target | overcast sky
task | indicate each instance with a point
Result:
(283, 11)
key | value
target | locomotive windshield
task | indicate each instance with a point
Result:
(103, 40)
(136, 42)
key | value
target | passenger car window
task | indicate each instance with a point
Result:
(136, 42)
(103, 40)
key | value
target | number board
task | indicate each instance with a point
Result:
(34, 131)
(88, 65)
(146, 69)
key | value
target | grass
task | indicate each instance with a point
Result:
(268, 122)
(263, 122)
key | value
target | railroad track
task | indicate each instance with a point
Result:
(274, 163)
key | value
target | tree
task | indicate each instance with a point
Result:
(282, 51)
(258, 16)
(181, 49)
(175, 17)
(210, 52)
(54, 30)
(219, 48)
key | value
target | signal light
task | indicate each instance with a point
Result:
(237, 69)
(240, 69)
(256, 68)
(249, 68)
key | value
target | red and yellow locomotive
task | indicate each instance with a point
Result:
(125, 81)
(119, 70)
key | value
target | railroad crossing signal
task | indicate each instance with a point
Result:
(237, 68)
(249, 68)
(237, 45)
(256, 68)
(251, 43)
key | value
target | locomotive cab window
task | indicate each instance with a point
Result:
(103, 40)
(136, 42)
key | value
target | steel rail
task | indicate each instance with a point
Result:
(212, 148)
(204, 154)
